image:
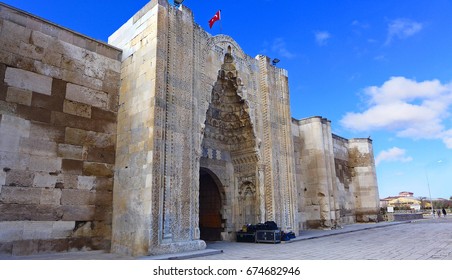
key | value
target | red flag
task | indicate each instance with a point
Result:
(216, 17)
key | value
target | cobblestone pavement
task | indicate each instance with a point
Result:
(427, 239)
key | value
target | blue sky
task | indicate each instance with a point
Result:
(374, 68)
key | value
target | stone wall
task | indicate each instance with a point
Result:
(345, 195)
(58, 103)
(316, 187)
(336, 179)
(364, 177)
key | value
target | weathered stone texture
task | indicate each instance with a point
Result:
(350, 165)
(103, 147)
(51, 139)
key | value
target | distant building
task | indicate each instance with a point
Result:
(405, 200)
(406, 194)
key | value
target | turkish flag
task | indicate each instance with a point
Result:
(216, 17)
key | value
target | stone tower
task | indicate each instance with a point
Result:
(204, 140)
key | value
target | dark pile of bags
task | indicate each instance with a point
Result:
(269, 225)
(286, 236)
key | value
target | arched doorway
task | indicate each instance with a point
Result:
(210, 206)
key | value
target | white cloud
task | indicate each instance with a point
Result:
(279, 47)
(401, 29)
(321, 37)
(393, 154)
(447, 138)
(360, 24)
(412, 109)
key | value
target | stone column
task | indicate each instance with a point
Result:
(361, 159)
(261, 186)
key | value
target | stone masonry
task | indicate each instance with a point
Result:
(58, 110)
(162, 139)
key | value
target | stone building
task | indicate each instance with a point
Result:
(160, 140)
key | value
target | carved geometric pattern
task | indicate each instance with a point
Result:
(267, 154)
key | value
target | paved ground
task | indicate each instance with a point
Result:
(427, 239)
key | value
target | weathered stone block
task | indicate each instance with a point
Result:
(99, 114)
(34, 230)
(2, 175)
(20, 96)
(50, 103)
(103, 213)
(109, 52)
(59, 88)
(3, 91)
(10, 231)
(67, 181)
(52, 246)
(30, 51)
(19, 178)
(80, 243)
(9, 143)
(103, 198)
(28, 80)
(103, 155)
(11, 160)
(72, 166)
(33, 113)
(38, 147)
(14, 32)
(63, 119)
(50, 196)
(86, 182)
(103, 184)
(20, 195)
(49, 164)
(25, 247)
(6, 107)
(78, 213)
(68, 151)
(62, 229)
(6, 248)
(77, 197)
(40, 39)
(14, 125)
(50, 65)
(86, 95)
(2, 72)
(78, 109)
(18, 212)
(47, 132)
(111, 85)
(97, 169)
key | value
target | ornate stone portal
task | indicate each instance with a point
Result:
(169, 139)
(208, 114)
(230, 142)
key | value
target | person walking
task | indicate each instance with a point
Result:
(444, 212)
(439, 213)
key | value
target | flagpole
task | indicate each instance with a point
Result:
(221, 23)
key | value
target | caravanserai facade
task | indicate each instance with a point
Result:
(160, 140)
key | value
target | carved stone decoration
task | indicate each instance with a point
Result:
(228, 119)
(247, 203)
(261, 185)
(230, 139)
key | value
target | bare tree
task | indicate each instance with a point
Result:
(422, 200)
